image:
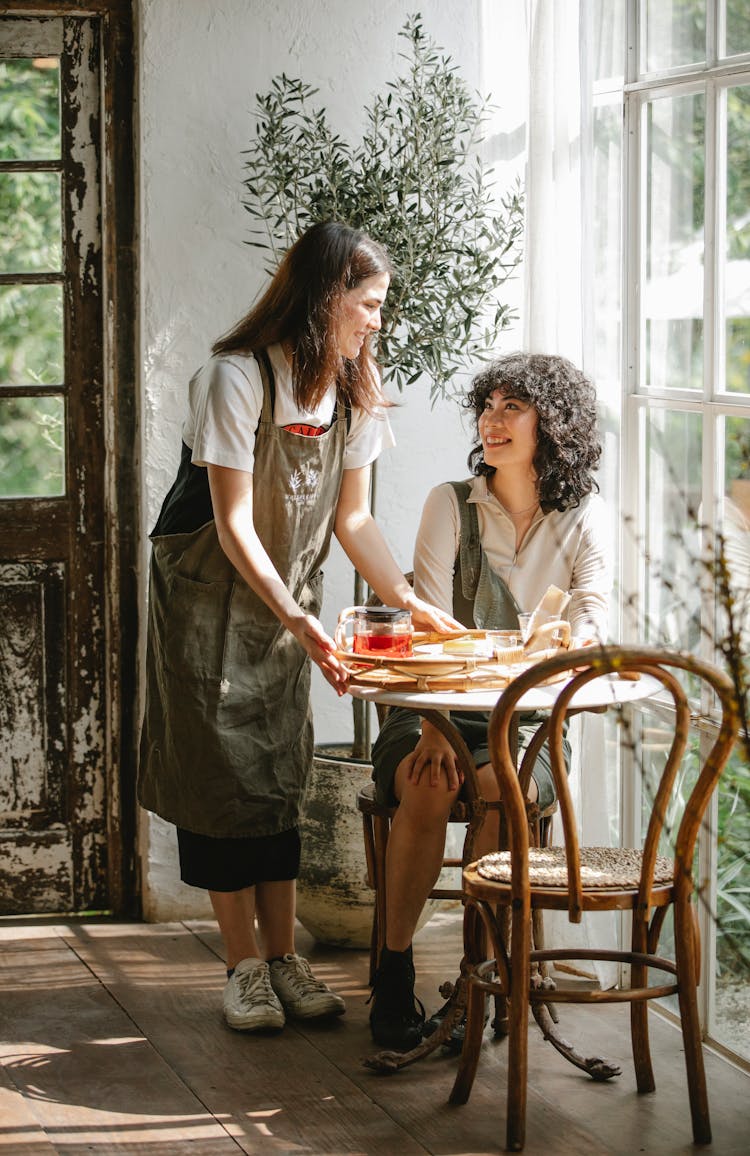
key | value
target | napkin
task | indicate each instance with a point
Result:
(550, 608)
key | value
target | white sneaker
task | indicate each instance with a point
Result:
(250, 1004)
(300, 992)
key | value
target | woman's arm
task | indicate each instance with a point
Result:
(363, 542)
(591, 577)
(232, 498)
(360, 537)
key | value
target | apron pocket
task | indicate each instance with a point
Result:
(195, 628)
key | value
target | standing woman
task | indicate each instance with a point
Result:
(284, 421)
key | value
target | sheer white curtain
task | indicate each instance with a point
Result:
(552, 312)
(557, 274)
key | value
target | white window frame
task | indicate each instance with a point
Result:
(712, 77)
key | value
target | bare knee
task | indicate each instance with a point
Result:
(422, 804)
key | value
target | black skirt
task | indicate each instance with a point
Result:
(224, 864)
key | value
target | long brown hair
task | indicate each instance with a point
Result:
(301, 306)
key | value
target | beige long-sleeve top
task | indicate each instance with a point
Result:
(571, 550)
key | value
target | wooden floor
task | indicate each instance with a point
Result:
(113, 1041)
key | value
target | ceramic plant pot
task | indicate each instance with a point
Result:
(334, 902)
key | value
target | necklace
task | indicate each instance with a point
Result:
(516, 513)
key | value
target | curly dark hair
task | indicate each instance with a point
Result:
(568, 444)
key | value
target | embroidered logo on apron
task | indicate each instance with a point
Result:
(303, 486)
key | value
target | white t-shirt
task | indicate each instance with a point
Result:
(225, 399)
(571, 550)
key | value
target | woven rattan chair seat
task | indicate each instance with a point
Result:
(601, 867)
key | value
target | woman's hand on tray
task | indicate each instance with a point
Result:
(428, 617)
(312, 637)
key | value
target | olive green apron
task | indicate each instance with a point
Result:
(227, 741)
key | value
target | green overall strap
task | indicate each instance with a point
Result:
(480, 596)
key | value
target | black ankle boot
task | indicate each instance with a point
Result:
(397, 1015)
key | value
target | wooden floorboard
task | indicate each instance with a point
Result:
(113, 1042)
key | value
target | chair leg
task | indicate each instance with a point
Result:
(474, 939)
(381, 829)
(644, 1072)
(518, 1035)
(374, 952)
(369, 841)
(500, 1020)
(685, 957)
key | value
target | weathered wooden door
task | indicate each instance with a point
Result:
(53, 777)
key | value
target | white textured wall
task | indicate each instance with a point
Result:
(201, 64)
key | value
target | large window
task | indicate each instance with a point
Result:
(669, 332)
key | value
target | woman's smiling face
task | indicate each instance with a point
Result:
(360, 313)
(507, 427)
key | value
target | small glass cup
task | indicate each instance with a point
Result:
(504, 644)
(547, 638)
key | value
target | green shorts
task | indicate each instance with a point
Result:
(401, 731)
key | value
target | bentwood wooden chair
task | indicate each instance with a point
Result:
(648, 880)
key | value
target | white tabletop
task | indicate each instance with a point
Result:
(609, 690)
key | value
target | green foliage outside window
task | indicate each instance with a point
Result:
(31, 316)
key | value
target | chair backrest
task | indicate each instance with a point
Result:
(581, 667)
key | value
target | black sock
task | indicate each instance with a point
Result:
(387, 955)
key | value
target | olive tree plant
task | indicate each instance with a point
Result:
(415, 181)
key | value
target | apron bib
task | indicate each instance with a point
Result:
(227, 742)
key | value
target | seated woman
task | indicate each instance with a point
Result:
(486, 549)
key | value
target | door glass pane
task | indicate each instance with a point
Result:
(673, 296)
(31, 334)
(675, 33)
(30, 223)
(30, 109)
(737, 268)
(738, 27)
(672, 545)
(32, 456)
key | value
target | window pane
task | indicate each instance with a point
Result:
(30, 109)
(733, 908)
(736, 532)
(32, 457)
(675, 33)
(30, 223)
(31, 334)
(737, 268)
(673, 297)
(738, 27)
(672, 546)
(609, 38)
(607, 248)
